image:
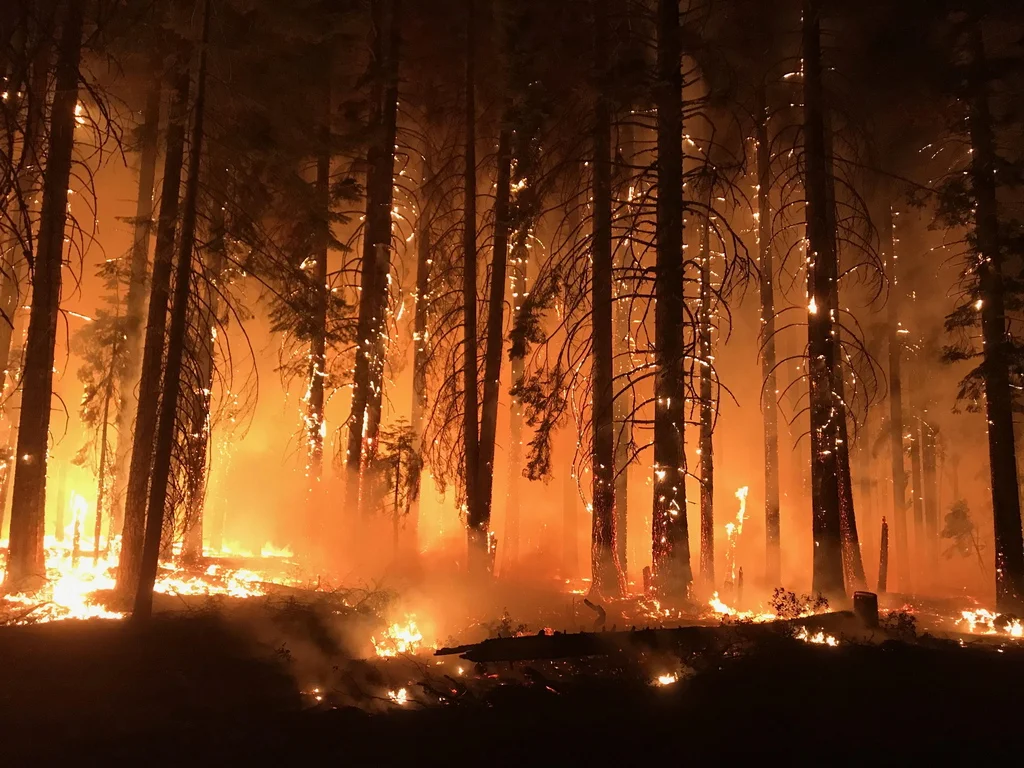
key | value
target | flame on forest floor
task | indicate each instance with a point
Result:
(724, 610)
(818, 638)
(399, 697)
(666, 679)
(399, 639)
(984, 622)
(74, 579)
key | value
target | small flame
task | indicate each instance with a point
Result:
(400, 697)
(667, 679)
(399, 638)
(819, 638)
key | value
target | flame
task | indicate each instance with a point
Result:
(399, 638)
(720, 608)
(819, 638)
(733, 531)
(983, 622)
(400, 697)
(667, 679)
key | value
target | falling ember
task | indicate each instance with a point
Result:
(399, 639)
(400, 697)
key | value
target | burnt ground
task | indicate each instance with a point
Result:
(192, 690)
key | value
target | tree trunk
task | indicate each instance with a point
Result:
(101, 483)
(671, 544)
(477, 526)
(917, 496)
(368, 377)
(133, 530)
(899, 475)
(707, 409)
(15, 266)
(156, 512)
(316, 426)
(28, 510)
(929, 466)
(495, 327)
(827, 413)
(419, 336)
(192, 549)
(769, 393)
(604, 571)
(136, 300)
(1009, 543)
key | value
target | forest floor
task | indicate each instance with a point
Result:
(235, 682)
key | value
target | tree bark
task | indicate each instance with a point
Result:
(138, 278)
(477, 526)
(827, 413)
(1009, 542)
(368, 377)
(156, 512)
(133, 530)
(671, 545)
(604, 571)
(707, 409)
(770, 393)
(28, 510)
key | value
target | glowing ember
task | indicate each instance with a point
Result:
(819, 638)
(667, 679)
(399, 638)
(400, 697)
(983, 622)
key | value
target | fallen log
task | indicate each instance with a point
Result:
(562, 645)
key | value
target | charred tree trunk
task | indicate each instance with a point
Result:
(495, 326)
(671, 544)
(929, 466)
(133, 530)
(707, 410)
(15, 265)
(477, 526)
(827, 413)
(1009, 543)
(368, 378)
(899, 475)
(602, 452)
(138, 279)
(192, 548)
(28, 510)
(769, 394)
(419, 335)
(315, 424)
(156, 512)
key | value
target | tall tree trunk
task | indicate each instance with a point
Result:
(769, 394)
(419, 334)
(101, 482)
(15, 266)
(368, 377)
(604, 572)
(929, 465)
(917, 496)
(707, 409)
(827, 412)
(495, 326)
(156, 512)
(192, 548)
(996, 366)
(316, 426)
(28, 510)
(895, 343)
(138, 279)
(670, 534)
(133, 530)
(477, 526)
(519, 260)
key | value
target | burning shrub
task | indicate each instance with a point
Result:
(788, 606)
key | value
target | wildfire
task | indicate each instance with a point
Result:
(215, 581)
(733, 531)
(399, 638)
(667, 679)
(818, 638)
(400, 697)
(983, 622)
(722, 609)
